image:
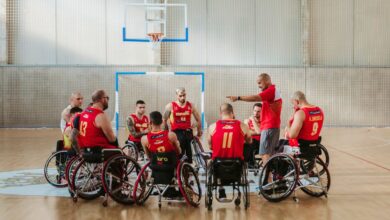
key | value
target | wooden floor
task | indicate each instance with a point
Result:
(360, 169)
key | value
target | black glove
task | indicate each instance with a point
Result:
(115, 143)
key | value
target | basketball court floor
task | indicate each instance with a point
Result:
(359, 167)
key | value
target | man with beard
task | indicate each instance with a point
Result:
(138, 124)
(179, 113)
(270, 114)
(94, 126)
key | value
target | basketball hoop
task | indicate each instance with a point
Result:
(155, 39)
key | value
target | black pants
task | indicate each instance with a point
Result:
(185, 137)
(250, 150)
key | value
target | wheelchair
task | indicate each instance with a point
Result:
(55, 166)
(105, 172)
(165, 174)
(131, 150)
(227, 172)
(284, 173)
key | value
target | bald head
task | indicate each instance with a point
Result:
(226, 109)
(263, 81)
(265, 77)
(76, 99)
(99, 97)
(300, 96)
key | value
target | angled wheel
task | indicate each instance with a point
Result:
(54, 169)
(209, 188)
(131, 150)
(87, 180)
(189, 184)
(70, 167)
(119, 176)
(278, 178)
(316, 181)
(307, 165)
(197, 149)
(245, 188)
(143, 185)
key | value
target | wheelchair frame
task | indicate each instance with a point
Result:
(211, 186)
(144, 185)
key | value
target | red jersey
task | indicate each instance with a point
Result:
(181, 116)
(312, 125)
(159, 142)
(252, 128)
(228, 140)
(139, 125)
(91, 136)
(272, 108)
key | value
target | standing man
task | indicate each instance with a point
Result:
(75, 100)
(138, 124)
(179, 113)
(253, 123)
(270, 114)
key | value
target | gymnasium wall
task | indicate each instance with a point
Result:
(35, 96)
(222, 32)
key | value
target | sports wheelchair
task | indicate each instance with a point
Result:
(165, 174)
(105, 172)
(55, 166)
(286, 172)
(131, 150)
(197, 153)
(227, 172)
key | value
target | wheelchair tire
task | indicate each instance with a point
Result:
(209, 189)
(54, 169)
(72, 164)
(119, 175)
(323, 173)
(142, 187)
(131, 150)
(306, 165)
(197, 149)
(282, 168)
(189, 184)
(245, 187)
(94, 190)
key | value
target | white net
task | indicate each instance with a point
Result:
(157, 90)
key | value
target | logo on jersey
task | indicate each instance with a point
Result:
(227, 127)
(85, 116)
(314, 112)
(157, 136)
(159, 142)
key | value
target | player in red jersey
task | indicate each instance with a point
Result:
(253, 123)
(179, 113)
(159, 140)
(227, 136)
(138, 124)
(94, 126)
(308, 120)
(270, 114)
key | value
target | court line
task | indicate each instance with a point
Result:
(360, 158)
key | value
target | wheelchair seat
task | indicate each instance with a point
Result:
(228, 171)
(309, 149)
(163, 167)
(98, 154)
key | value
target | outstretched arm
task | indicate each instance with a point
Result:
(249, 98)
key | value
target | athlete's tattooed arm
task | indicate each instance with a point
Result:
(131, 128)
